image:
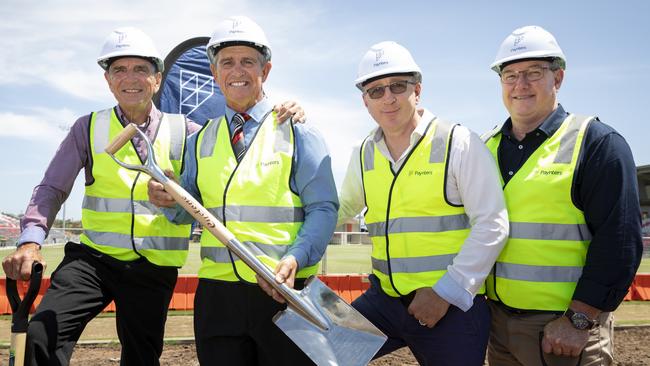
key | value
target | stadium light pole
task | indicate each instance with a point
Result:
(63, 220)
(66, 128)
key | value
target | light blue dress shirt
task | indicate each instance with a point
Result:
(312, 179)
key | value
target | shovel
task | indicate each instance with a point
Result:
(318, 321)
(20, 312)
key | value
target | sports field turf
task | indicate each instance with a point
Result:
(353, 258)
(339, 258)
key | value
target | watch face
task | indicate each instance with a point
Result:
(580, 321)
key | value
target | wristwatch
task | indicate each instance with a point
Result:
(579, 320)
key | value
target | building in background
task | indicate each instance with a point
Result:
(9, 230)
(643, 179)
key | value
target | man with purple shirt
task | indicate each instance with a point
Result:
(129, 253)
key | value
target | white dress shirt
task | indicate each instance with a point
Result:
(473, 181)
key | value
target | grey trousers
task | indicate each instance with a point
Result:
(515, 340)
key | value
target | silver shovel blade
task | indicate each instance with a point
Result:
(351, 339)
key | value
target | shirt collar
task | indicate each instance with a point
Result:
(550, 125)
(154, 115)
(256, 112)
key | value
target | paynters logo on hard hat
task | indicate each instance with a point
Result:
(518, 39)
(378, 55)
(121, 36)
(235, 24)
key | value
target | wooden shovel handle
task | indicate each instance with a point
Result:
(200, 213)
(122, 138)
(214, 226)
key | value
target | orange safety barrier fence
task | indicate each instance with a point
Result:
(349, 287)
(641, 287)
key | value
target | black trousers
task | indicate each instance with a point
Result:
(81, 286)
(233, 326)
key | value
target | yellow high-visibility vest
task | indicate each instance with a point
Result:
(415, 232)
(252, 198)
(543, 258)
(117, 218)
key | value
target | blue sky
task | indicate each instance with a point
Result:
(49, 77)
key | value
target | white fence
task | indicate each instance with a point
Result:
(58, 235)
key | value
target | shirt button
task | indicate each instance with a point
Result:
(537, 134)
(520, 147)
(511, 172)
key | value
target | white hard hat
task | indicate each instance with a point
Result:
(129, 41)
(386, 58)
(238, 30)
(528, 42)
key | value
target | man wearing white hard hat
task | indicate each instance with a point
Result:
(434, 211)
(575, 235)
(128, 252)
(272, 186)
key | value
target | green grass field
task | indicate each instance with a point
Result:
(353, 258)
(338, 259)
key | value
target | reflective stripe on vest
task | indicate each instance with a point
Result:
(220, 254)
(261, 212)
(419, 224)
(123, 205)
(523, 272)
(414, 265)
(117, 217)
(124, 241)
(531, 230)
(543, 258)
(415, 233)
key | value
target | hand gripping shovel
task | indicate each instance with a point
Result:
(20, 312)
(324, 326)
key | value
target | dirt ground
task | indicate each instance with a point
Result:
(632, 348)
(632, 345)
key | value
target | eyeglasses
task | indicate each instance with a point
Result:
(396, 87)
(532, 73)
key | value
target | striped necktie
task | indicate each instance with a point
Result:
(238, 146)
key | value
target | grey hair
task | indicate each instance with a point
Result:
(262, 58)
(557, 64)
